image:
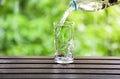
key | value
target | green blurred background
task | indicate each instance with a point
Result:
(26, 28)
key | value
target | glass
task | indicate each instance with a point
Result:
(64, 42)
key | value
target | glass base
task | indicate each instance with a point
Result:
(63, 60)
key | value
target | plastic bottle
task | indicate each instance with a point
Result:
(92, 5)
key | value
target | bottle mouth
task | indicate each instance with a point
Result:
(74, 5)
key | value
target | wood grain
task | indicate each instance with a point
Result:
(45, 67)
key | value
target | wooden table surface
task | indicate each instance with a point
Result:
(44, 67)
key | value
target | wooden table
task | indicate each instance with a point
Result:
(44, 67)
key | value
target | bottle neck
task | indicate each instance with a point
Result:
(74, 5)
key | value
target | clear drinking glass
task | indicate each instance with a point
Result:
(64, 42)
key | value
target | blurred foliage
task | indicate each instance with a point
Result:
(26, 28)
